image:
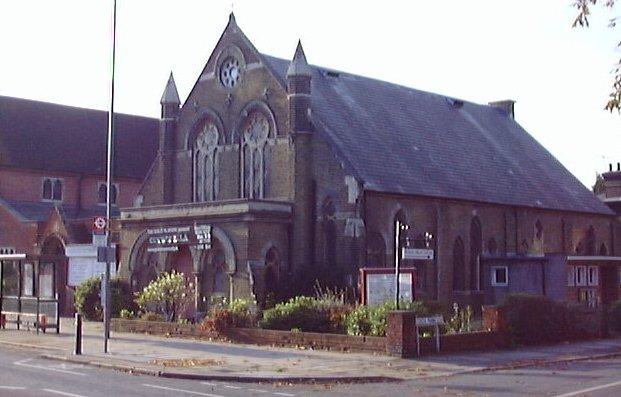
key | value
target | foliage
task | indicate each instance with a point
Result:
(614, 316)
(582, 20)
(371, 320)
(310, 314)
(535, 319)
(88, 298)
(236, 315)
(168, 295)
(127, 314)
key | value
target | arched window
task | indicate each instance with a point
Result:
(328, 212)
(255, 132)
(492, 246)
(376, 250)
(57, 192)
(603, 251)
(538, 238)
(47, 189)
(459, 265)
(206, 163)
(272, 271)
(102, 194)
(476, 247)
(590, 241)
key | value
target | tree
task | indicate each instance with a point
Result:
(582, 20)
(598, 187)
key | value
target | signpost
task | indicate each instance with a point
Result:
(417, 253)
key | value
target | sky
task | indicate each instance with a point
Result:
(478, 50)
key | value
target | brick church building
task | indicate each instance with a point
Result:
(53, 182)
(300, 172)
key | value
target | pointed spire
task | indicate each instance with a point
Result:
(299, 65)
(170, 95)
(232, 19)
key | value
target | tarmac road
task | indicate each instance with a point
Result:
(24, 373)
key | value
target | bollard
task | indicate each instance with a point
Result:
(42, 322)
(78, 334)
(3, 321)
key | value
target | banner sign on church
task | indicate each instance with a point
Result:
(170, 238)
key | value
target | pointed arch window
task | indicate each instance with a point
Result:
(376, 250)
(329, 233)
(538, 234)
(459, 265)
(254, 138)
(206, 163)
(52, 189)
(476, 247)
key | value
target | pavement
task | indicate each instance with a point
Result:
(183, 358)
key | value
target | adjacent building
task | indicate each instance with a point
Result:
(53, 182)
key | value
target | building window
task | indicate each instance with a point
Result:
(589, 297)
(206, 163)
(102, 193)
(255, 133)
(500, 276)
(581, 276)
(476, 247)
(376, 250)
(459, 265)
(52, 189)
(593, 275)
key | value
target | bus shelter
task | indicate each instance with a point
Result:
(28, 293)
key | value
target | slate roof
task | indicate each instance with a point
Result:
(46, 136)
(402, 140)
(40, 211)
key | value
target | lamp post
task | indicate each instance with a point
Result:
(109, 170)
(399, 228)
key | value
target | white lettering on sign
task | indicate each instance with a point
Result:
(417, 253)
(436, 320)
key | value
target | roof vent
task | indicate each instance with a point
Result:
(331, 73)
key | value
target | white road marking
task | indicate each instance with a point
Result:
(182, 390)
(284, 394)
(232, 387)
(62, 393)
(258, 390)
(209, 384)
(22, 363)
(12, 388)
(590, 389)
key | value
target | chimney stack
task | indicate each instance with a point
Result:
(507, 105)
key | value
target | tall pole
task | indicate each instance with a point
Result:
(109, 169)
(397, 262)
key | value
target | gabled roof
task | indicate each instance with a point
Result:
(400, 140)
(47, 136)
(40, 211)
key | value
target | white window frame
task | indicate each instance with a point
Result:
(53, 181)
(593, 275)
(581, 276)
(495, 282)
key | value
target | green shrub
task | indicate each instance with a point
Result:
(150, 316)
(307, 314)
(614, 316)
(127, 314)
(371, 320)
(168, 295)
(535, 319)
(88, 301)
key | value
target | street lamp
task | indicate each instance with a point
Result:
(399, 228)
(109, 170)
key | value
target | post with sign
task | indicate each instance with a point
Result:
(399, 227)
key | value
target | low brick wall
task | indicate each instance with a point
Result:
(450, 343)
(340, 342)
(471, 341)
